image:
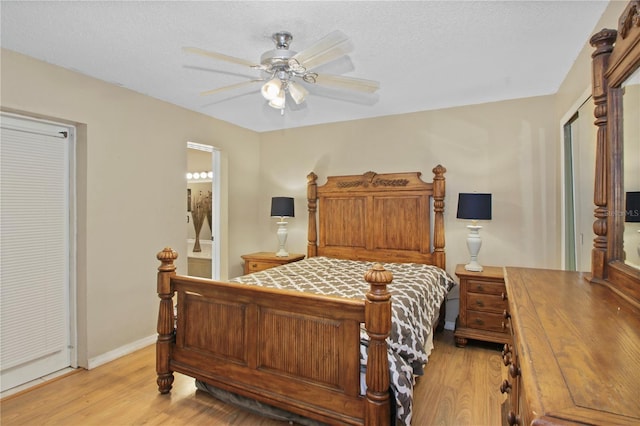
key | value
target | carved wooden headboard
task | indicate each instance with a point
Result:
(378, 217)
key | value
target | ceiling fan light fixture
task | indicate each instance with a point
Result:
(278, 102)
(298, 92)
(271, 89)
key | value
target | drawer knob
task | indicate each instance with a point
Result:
(479, 288)
(506, 359)
(506, 349)
(479, 321)
(505, 387)
(506, 314)
(506, 355)
(514, 371)
(479, 302)
(512, 419)
(504, 296)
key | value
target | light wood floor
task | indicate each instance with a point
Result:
(460, 387)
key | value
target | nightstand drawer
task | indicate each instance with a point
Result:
(486, 321)
(256, 262)
(255, 266)
(487, 287)
(486, 303)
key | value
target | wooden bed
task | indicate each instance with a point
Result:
(251, 342)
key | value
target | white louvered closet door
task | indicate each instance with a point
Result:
(35, 249)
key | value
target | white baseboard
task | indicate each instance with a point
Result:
(449, 325)
(121, 351)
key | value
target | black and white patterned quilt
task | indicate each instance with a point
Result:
(417, 292)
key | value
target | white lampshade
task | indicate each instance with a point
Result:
(297, 92)
(271, 89)
(278, 102)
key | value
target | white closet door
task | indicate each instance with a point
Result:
(35, 249)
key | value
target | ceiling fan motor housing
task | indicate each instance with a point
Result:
(278, 57)
(282, 39)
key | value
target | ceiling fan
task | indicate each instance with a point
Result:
(285, 71)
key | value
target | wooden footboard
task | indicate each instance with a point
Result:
(292, 350)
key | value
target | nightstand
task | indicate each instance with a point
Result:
(483, 306)
(255, 262)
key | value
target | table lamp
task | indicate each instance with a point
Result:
(475, 207)
(282, 207)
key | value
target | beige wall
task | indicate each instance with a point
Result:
(131, 190)
(132, 164)
(505, 148)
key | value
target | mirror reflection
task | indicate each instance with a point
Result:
(631, 134)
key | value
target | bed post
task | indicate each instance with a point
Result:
(438, 223)
(312, 203)
(377, 320)
(165, 319)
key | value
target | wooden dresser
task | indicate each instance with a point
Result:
(256, 262)
(575, 357)
(482, 306)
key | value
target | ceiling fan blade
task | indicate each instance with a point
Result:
(351, 96)
(230, 87)
(330, 47)
(221, 57)
(349, 83)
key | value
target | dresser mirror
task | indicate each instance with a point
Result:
(631, 167)
(615, 63)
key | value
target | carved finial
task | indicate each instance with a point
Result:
(603, 41)
(439, 171)
(167, 256)
(378, 277)
(312, 178)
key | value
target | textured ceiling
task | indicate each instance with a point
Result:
(425, 54)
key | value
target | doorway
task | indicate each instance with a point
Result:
(203, 210)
